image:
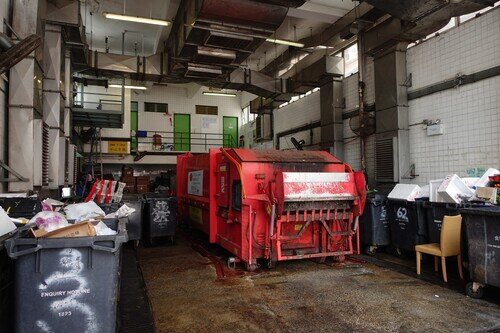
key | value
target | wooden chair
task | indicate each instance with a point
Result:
(449, 246)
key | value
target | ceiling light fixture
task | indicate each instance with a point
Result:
(136, 19)
(218, 93)
(285, 42)
(128, 87)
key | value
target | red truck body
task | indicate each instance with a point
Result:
(272, 205)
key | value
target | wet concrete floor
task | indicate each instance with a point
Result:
(301, 296)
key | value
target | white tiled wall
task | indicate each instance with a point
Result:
(470, 113)
(471, 47)
(183, 99)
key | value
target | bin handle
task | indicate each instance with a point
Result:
(106, 248)
(14, 255)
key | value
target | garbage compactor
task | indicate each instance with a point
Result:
(271, 205)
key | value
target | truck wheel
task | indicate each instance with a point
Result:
(470, 291)
(250, 267)
(270, 264)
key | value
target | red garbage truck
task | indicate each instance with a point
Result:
(272, 205)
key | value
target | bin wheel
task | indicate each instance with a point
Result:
(399, 252)
(250, 267)
(371, 250)
(469, 290)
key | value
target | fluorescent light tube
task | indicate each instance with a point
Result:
(136, 19)
(215, 93)
(128, 87)
(284, 42)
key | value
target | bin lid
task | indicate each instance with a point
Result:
(486, 210)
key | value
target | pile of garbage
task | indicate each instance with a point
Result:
(454, 189)
(57, 220)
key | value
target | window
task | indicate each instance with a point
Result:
(236, 195)
(351, 60)
(206, 109)
(246, 116)
(296, 98)
(156, 107)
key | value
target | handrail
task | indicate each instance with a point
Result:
(169, 138)
(240, 172)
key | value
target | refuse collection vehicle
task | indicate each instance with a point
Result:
(272, 205)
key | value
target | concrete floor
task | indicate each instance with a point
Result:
(301, 296)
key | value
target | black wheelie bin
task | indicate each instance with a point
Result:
(482, 226)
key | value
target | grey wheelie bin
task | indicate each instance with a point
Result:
(67, 284)
(374, 227)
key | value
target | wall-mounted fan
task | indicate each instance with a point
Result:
(363, 125)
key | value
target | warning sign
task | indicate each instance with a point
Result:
(195, 183)
(117, 147)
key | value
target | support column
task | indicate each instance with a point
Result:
(25, 84)
(391, 116)
(53, 103)
(332, 131)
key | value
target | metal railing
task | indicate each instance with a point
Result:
(99, 101)
(159, 141)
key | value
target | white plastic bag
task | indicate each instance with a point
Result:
(102, 229)
(84, 211)
(6, 225)
(49, 221)
(123, 211)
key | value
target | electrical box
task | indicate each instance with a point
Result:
(437, 129)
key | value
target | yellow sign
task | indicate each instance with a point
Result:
(196, 214)
(117, 147)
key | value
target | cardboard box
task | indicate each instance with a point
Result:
(142, 188)
(129, 189)
(488, 194)
(81, 229)
(142, 180)
(127, 172)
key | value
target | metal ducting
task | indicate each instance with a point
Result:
(219, 33)
(413, 20)
(67, 14)
(14, 53)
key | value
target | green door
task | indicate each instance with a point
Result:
(230, 132)
(182, 132)
(134, 123)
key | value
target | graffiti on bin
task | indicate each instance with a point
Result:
(71, 266)
(161, 214)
